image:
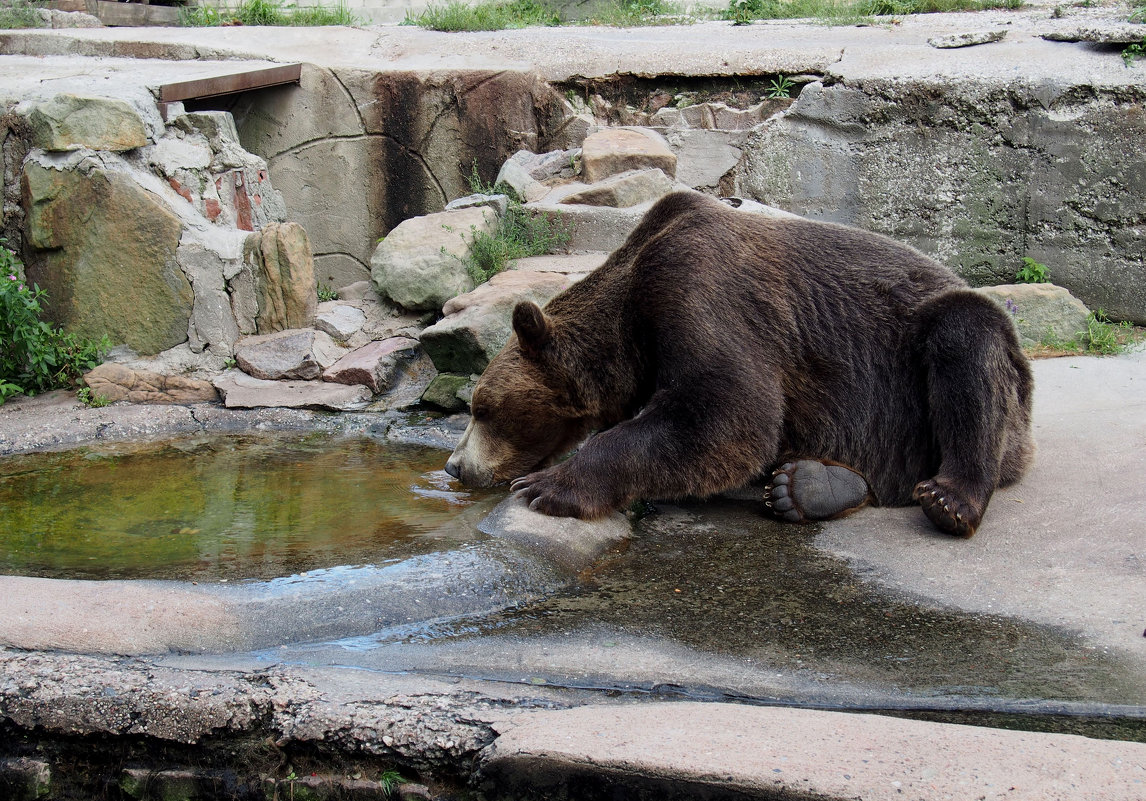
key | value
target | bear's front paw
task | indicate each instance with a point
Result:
(948, 509)
(557, 495)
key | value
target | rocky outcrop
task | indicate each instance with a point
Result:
(104, 248)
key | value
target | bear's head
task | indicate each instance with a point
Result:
(525, 411)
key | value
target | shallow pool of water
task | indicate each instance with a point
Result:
(225, 508)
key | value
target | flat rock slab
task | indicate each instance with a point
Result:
(970, 39)
(623, 189)
(684, 749)
(294, 353)
(340, 320)
(240, 390)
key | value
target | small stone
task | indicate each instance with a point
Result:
(966, 39)
(340, 320)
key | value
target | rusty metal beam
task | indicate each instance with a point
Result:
(230, 84)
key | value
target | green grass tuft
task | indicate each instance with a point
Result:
(20, 14)
(267, 12)
(458, 15)
(841, 12)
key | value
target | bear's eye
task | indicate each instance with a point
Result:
(480, 413)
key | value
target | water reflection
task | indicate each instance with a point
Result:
(223, 508)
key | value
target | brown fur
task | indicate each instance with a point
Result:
(714, 342)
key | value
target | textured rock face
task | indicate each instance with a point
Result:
(105, 251)
(623, 190)
(291, 354)
(373, 365)
(240, 390)
(119, 383)
(71, 122)
(420, 264)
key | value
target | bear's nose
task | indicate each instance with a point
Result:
(452, 468)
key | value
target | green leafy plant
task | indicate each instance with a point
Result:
(36, 356)
(391, 780)
(780, 87)
(1134, 52)
(267, 12)
(325, 293)
(20, 14)
(519, 233)
(1032, 272)
(1138, 12)
(88, 398)
(1103, 336)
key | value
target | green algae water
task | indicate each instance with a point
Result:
(224, 508)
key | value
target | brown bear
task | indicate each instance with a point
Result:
(719, 346)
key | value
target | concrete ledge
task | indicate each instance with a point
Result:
(691, 750)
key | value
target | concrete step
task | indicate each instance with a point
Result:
(685, 750)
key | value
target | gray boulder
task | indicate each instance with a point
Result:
(623, 190)
(1043, 313)
(421, 263)
(340, 320)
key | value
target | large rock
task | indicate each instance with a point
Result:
(296, 353)
(71, 122)
(212, 322)
(615, 150)
(115, 382)
(478, 324)
(421, 263)
(1043, 313)
(284, 277)
(105, 250)
(623, 190)
(374, 365)
(240, 390)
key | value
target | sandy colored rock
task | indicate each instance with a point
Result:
(287, 293)
(615, 150)
(117, 382)
(1043, 313)
(240, 390)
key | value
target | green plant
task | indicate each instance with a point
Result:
(1134, 52)
(846, 12)
(267, 12)
(519, 233)
(20, 14)
(1138, 11)
(325, 293)
(91, 399)
(36, 356)
(458, 15)
(1032, 272)
(780, 87)
(1104, 337)
(391, 780)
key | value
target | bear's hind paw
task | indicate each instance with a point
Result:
(807, 489)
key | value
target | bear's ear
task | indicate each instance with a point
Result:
(531, 327)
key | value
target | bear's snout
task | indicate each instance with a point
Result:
(452, 468)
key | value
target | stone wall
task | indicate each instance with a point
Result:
(978, 175)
